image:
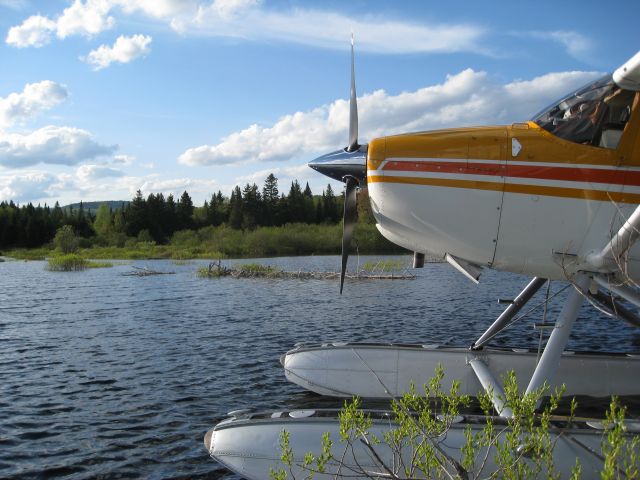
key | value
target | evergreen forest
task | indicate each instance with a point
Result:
(159, 220)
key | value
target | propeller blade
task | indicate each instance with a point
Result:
(348, 223)
(353, 106)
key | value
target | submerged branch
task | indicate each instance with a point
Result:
(216, 269)
(144, 272)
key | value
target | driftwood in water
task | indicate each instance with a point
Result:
(216, 269)
(144, 272)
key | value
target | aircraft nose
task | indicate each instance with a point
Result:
(341, 163)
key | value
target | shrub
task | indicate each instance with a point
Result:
(67, 263)
(65, 239)
(518, 447)
(144, 236)
(255, 268)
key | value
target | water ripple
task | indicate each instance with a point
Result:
(104, 375)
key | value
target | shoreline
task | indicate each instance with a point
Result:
(222, 243)
(38, 255)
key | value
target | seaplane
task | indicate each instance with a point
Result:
(555, 198)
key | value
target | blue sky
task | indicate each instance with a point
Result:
(99, 98)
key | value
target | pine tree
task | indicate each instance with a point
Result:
(136, 215)
(295, 203)
(308, 205)
(170, 220)
(216, 211)
(330, 206)
(270, 200)
(250, 206)
(184, 211)
(155, 217)
(235, 209)
(57, 215)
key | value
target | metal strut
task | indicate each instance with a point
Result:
(548, 365)
(511, 311)
(629, 294)
(491, 386)
(619, 244)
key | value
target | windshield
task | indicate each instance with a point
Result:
(594, 114)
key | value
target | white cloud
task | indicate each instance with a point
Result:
(91, 17)
(227, 9)
(328, 29)
(284, 174)
(95, 182)
(162, 9)
(51, 145)
(88, 19)
(124, 159)
(35, 31)
(34, 99)
(250, 19)
(152, 184)
(85, 18)
(467, 98)
(97, 172)
(124, 50)
(576, 44)
(26, 186)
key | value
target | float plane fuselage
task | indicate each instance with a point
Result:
(537, 198)
(542, 197)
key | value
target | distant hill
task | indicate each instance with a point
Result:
(92, 207)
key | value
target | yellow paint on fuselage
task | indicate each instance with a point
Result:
(492, 143)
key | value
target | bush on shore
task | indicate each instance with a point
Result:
(225, 242)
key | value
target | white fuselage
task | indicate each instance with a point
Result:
(536, 232)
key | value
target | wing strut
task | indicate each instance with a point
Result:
(619, 244)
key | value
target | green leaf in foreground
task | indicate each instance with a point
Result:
(520, 447)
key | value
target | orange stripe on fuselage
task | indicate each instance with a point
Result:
(538, 172)
(585, 194)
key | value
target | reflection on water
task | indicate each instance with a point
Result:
(109, 375)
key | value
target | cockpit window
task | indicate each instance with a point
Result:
(593, 115)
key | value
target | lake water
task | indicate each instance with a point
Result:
(107, 375)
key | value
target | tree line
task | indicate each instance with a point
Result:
(156, 218)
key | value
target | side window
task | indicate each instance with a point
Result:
(592, 115)
(617, 114)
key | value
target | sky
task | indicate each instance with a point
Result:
(100, 98)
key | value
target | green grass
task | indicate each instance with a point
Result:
(256, 268)
(385, 265)
(206, 272)
(72, 262)
(180, 262)
(94, 264)
(224, 242)
(66, 263)
(29, 253)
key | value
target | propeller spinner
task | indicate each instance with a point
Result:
(348, 165)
